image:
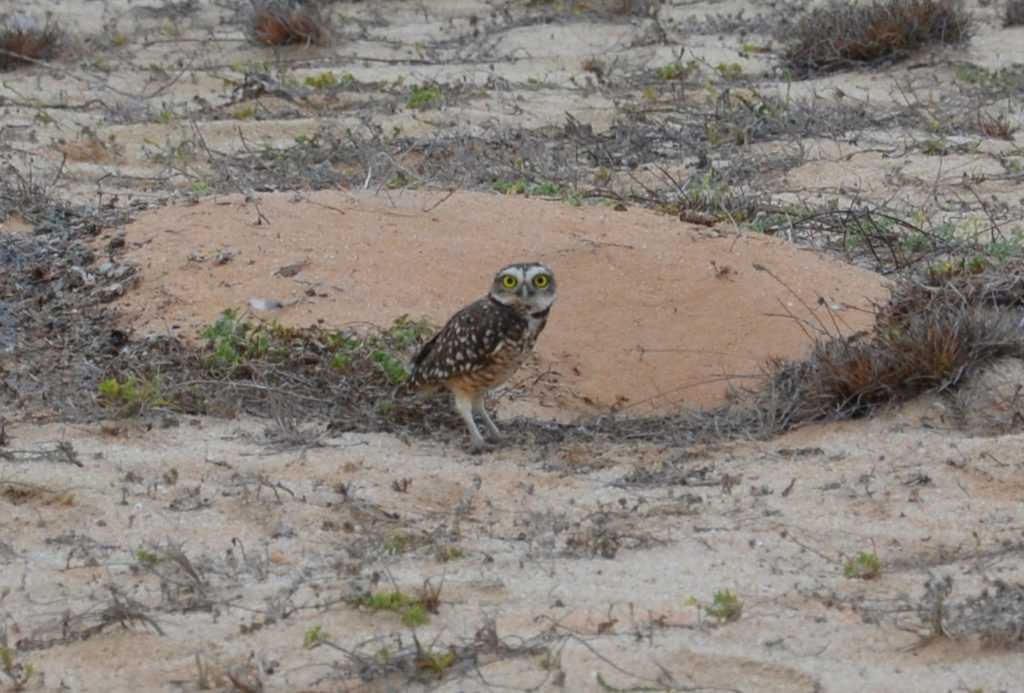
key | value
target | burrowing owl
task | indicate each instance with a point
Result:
(483, 344)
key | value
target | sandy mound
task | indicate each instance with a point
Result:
(653, 313)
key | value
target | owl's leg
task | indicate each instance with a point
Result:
(464, 404)
(478, 406)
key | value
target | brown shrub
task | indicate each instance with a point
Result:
(282, 23)
(1014, 13)
(926, 338)
(22, 40)
(842, 34)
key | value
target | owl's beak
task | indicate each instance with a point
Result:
(524, 290)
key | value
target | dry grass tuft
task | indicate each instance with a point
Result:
(23, 40)
(286, 22)
(843, 34)
(1014, 13)
(927, 338)
(996, 618)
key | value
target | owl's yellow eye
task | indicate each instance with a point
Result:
(509, 282)
(540, 281)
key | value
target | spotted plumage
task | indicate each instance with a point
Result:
(483, 344)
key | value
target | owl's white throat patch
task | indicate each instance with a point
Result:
(544, 303)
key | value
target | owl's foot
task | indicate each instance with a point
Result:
(477, 447)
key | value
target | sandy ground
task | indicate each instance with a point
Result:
(557, 549)
(199, 554)
(644, 299)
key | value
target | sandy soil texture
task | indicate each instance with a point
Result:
(645, 300)
(176, 552)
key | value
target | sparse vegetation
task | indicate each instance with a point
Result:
(927, 197)
(864, 566)
(324, 80)
(412, 610)
(677, 70)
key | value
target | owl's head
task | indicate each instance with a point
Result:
(526, 286)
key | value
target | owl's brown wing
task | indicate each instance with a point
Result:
(466, 342)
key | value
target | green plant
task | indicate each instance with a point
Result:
(521, 186)
(435, 662)
(415, 616)
(677, 70)
(314, 636)
(856, 231)
(423, 95)
(449, 552)
(771, 222)
(388, 345)
(404, 331)
(130, 396)
(17, 671)
(413, 611)
(392, 365)
(916, 242)
(730, 70)
(398, 542)
(233, 341)
(1006, 247)
(706, 191)
(550, 661)
(147, 558)
(324, 80)
(113, 391)
(344, 344)
(725, 606)
(169, 28)
(865, 566)
(515, 187)
(969, 72)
